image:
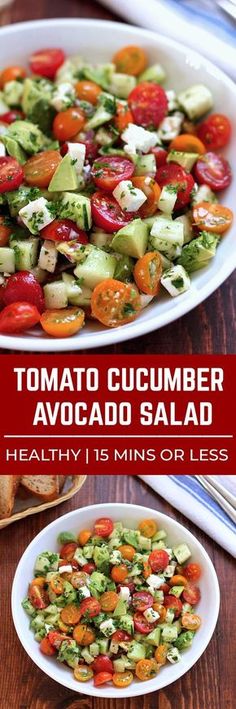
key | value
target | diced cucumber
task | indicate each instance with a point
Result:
(166, 236)
(120, 609)
(26, 253)
(136, 651)
(126, 623)
(182, 553)
(176, 591)
(3, 104)
(119, 665)
(186, 160)
(86, 655)
(76, 207)
(155, 73)
(55, 295)
(131, 536)
(132, 239)
(121, 85)
(21, 197)
(103, 644)
(144, 543)
(100, 555)
(7, 260)
(196, 101)
(144, 164)
(186, 220)
(153, 638)
(96, 267)
(101, 239)
(169, 634)
(94, 649)
(161, 534)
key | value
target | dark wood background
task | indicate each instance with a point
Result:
(210, 328)
(210, 684)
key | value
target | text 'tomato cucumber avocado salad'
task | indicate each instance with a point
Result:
(115, 604)
(108, 189)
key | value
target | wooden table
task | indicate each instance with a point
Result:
(211, 684)
(210, 328)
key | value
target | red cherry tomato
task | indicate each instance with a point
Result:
(64, 230)
(165, 588)
(107, 213)
(103, 527)
(192, 595)
(148, 104)
(160, 156)
(89, 568)
(11, 174)
(23, 286)
(142, 600)
(174, 603)
(56, 639)
(109, 171)
(18, 317)
(192, 572)
(90, 607)
(158, 560)
(102, 663)
(102, 678)
(73, 563)
(214, 171)
(67, 551)
(46, 62)
(5, 230)
(46, 647)
(120, 636)
(12, 116)
(130, 586)
(215, 131)
(171, 174)
(142, 625)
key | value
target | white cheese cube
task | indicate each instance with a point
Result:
(154, 581)
(66, 569)
(124, 593)
(138, 138)
(129, 198)
(167, 199)
(151, 615)
(63, 96)
(107, 627)
(169, 571)
(176, 280)
(36, 215)
(172, 100)
(77, 153)
(173, 655)
(115, 557)
(2, 150)
(48, 256)
(84, 592)
(170, 127)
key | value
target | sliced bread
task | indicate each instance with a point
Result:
(46, 487)
(8, 489)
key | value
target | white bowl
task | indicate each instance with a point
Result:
(130, 515)
(97, 41)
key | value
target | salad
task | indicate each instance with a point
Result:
(108, 189)
(114, 604)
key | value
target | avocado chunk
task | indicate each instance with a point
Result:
(14, 149)
(154, 637)
(182, 553)
(186, 160)
(100, 555)
(124, 268)
(35, 103)
(65, 177)
(96, 267)
(99, 581)
(199, 251)
(120, 609)
(17, 199)
(28, 135)
(184, 640)
(132, 239)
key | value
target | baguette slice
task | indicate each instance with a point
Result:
(8, 489)
(46, 487)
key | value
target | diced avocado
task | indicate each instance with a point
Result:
(96, 267)
(65, 177)
(122, 84)
(204, 194)
(169, 634)
(100, 555)
(26, 253)
(12, 92)
(126, 623)
(69, 652)
(46, 561)
(131, 536)
(105, 111)
(144, 543)
(21, 197)
(28, 135)
(7, 260)
(120, 609)
(76, 207)
(153, 638)
(182, 553)
(145, 164)
(14, 149)
(176, 591)
(101, 239)
(186, 160)
(184, 640)
(196, 101)
(119, 665)
(199, 251)
(166, 236)
(154, 73)
(88, 551)
(35, 103)
(99, 581)
(124, 268)
(30, 610)
(65, 537)
(136, 651)
(38, 622)
(55, 295)
(173, 655)
(131, 239)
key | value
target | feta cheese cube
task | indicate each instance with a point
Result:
(84, 592)
(107, 627)
(66, 569)
(63, 96)
(124, 593)
(169, 571)
(77, 153)
(151, 615)
(170, 127)
(138, 138)
(155, 581)
(115, 557)
(2, 150)
(176, 280)
(36, 215)
(48, 256)
(172, 100)
(129, 198)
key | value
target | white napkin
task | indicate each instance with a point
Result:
(200, 25)
(186, 494)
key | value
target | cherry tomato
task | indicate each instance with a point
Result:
(130, 585)
(11, 174)
(130, 60)
(123, 117)
(212, 217)
(83, 635)
(56, 639)
(71, 614)
(146, 669)
(57, 584)
(187, 143)
(127, 551)
(160, 156)
(62, 323)
(161, 610)
(89, 567)
(114, 303)
(165, 588)
(103, 527)
(87, 139)
(215, 131)
(18, 317)
(84, 537)
(161, 654)
(146, 569)
(190, 621)
(107, 213)
(152, 191)
(214, 171)
(192, 595)
(122, 679)
(142, 600)
(192, 572)
(78, 579)
(147, 275)
(158, 560)
(12, 116)
(90, 607)
(87, 91)
(67, 123)
(23, 286)
(5, 230)
(174, 603)
(107, 172)
(46, 62)
(119, 573)
(68, 550)
(148, 104)
(64, 230)
(12, 73)
(120, 636)
(40, 168)
(102, 678)
(102, 663)
(109, 601)
(148, 528)
(142, 625)
(171, 174)
(178, 580)
(38, 597)
(83, 673)
(46, 647)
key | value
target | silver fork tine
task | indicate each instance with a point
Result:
(229, 6)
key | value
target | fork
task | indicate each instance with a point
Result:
(217, 496)
(229, 6)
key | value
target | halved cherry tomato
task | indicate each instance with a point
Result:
(23, 286)
(12, 116)
(102, 663)
(11, 73)
(46, 647)
(212, 217)
(161, 654)
(192, 572)
(39, 581)
(83, 673)
(215, 131)
(190, 621)
(174, 603)
(107, 213)
(142, 600)
(18, 317)
(64, 230)
(122, 679)
(11, 174)
(146, 669)
(142, 625)
(127, 551)
(188, 143)
(178, 580)
(56, 639)
(213, 170)
(102, 678)
(114, 303)
(130, 60)
(84, 537)
(109, 601)
(87, 91)
(103, 527)
(67, 551)
(158, 560)
(39, 170)
(83, 635)
(192, 595)
(38, 597)
(78, 579)
(120, 636)
(90, 607)
(165, 588)
(148, 528)
(160, 155)
(63, 627)
(148, 104)
(57, 585)
(5, 230)
(146, 569)
(152, 191)
(161, 610)
(62, 323)
(123, 117)
(71, 614)
(119, 573)
(67, 123)
(89, 567)
(171, 174)
(107, 172)
(46, 62)
(147, 276)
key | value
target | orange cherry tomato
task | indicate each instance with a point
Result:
(188, 143)
(102, 678)
(147, 275)
(83, 673)
(39, 170)
(123, 117)
(68, 550)
(212, 217)
(127, 551)
(83, 635)
(78, 579)
(87, 91)
(119, 573)
(70, 614)
(46, 647)
(84, 537)
(39, 581)
(57, 585)
(147, 527)
(67, 123)
(5, 231)
(178, 580)
(62, 323)
(191, 621)
(38, 596)
(122, 679)
(161, 610)
(114, 303)
(192, 572)
(161, 653)
(146, 669)
(109, 600)
(146, 569)
(152, 191)
(11, 73)
(130, 60)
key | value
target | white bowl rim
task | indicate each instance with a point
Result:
(105, 508)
